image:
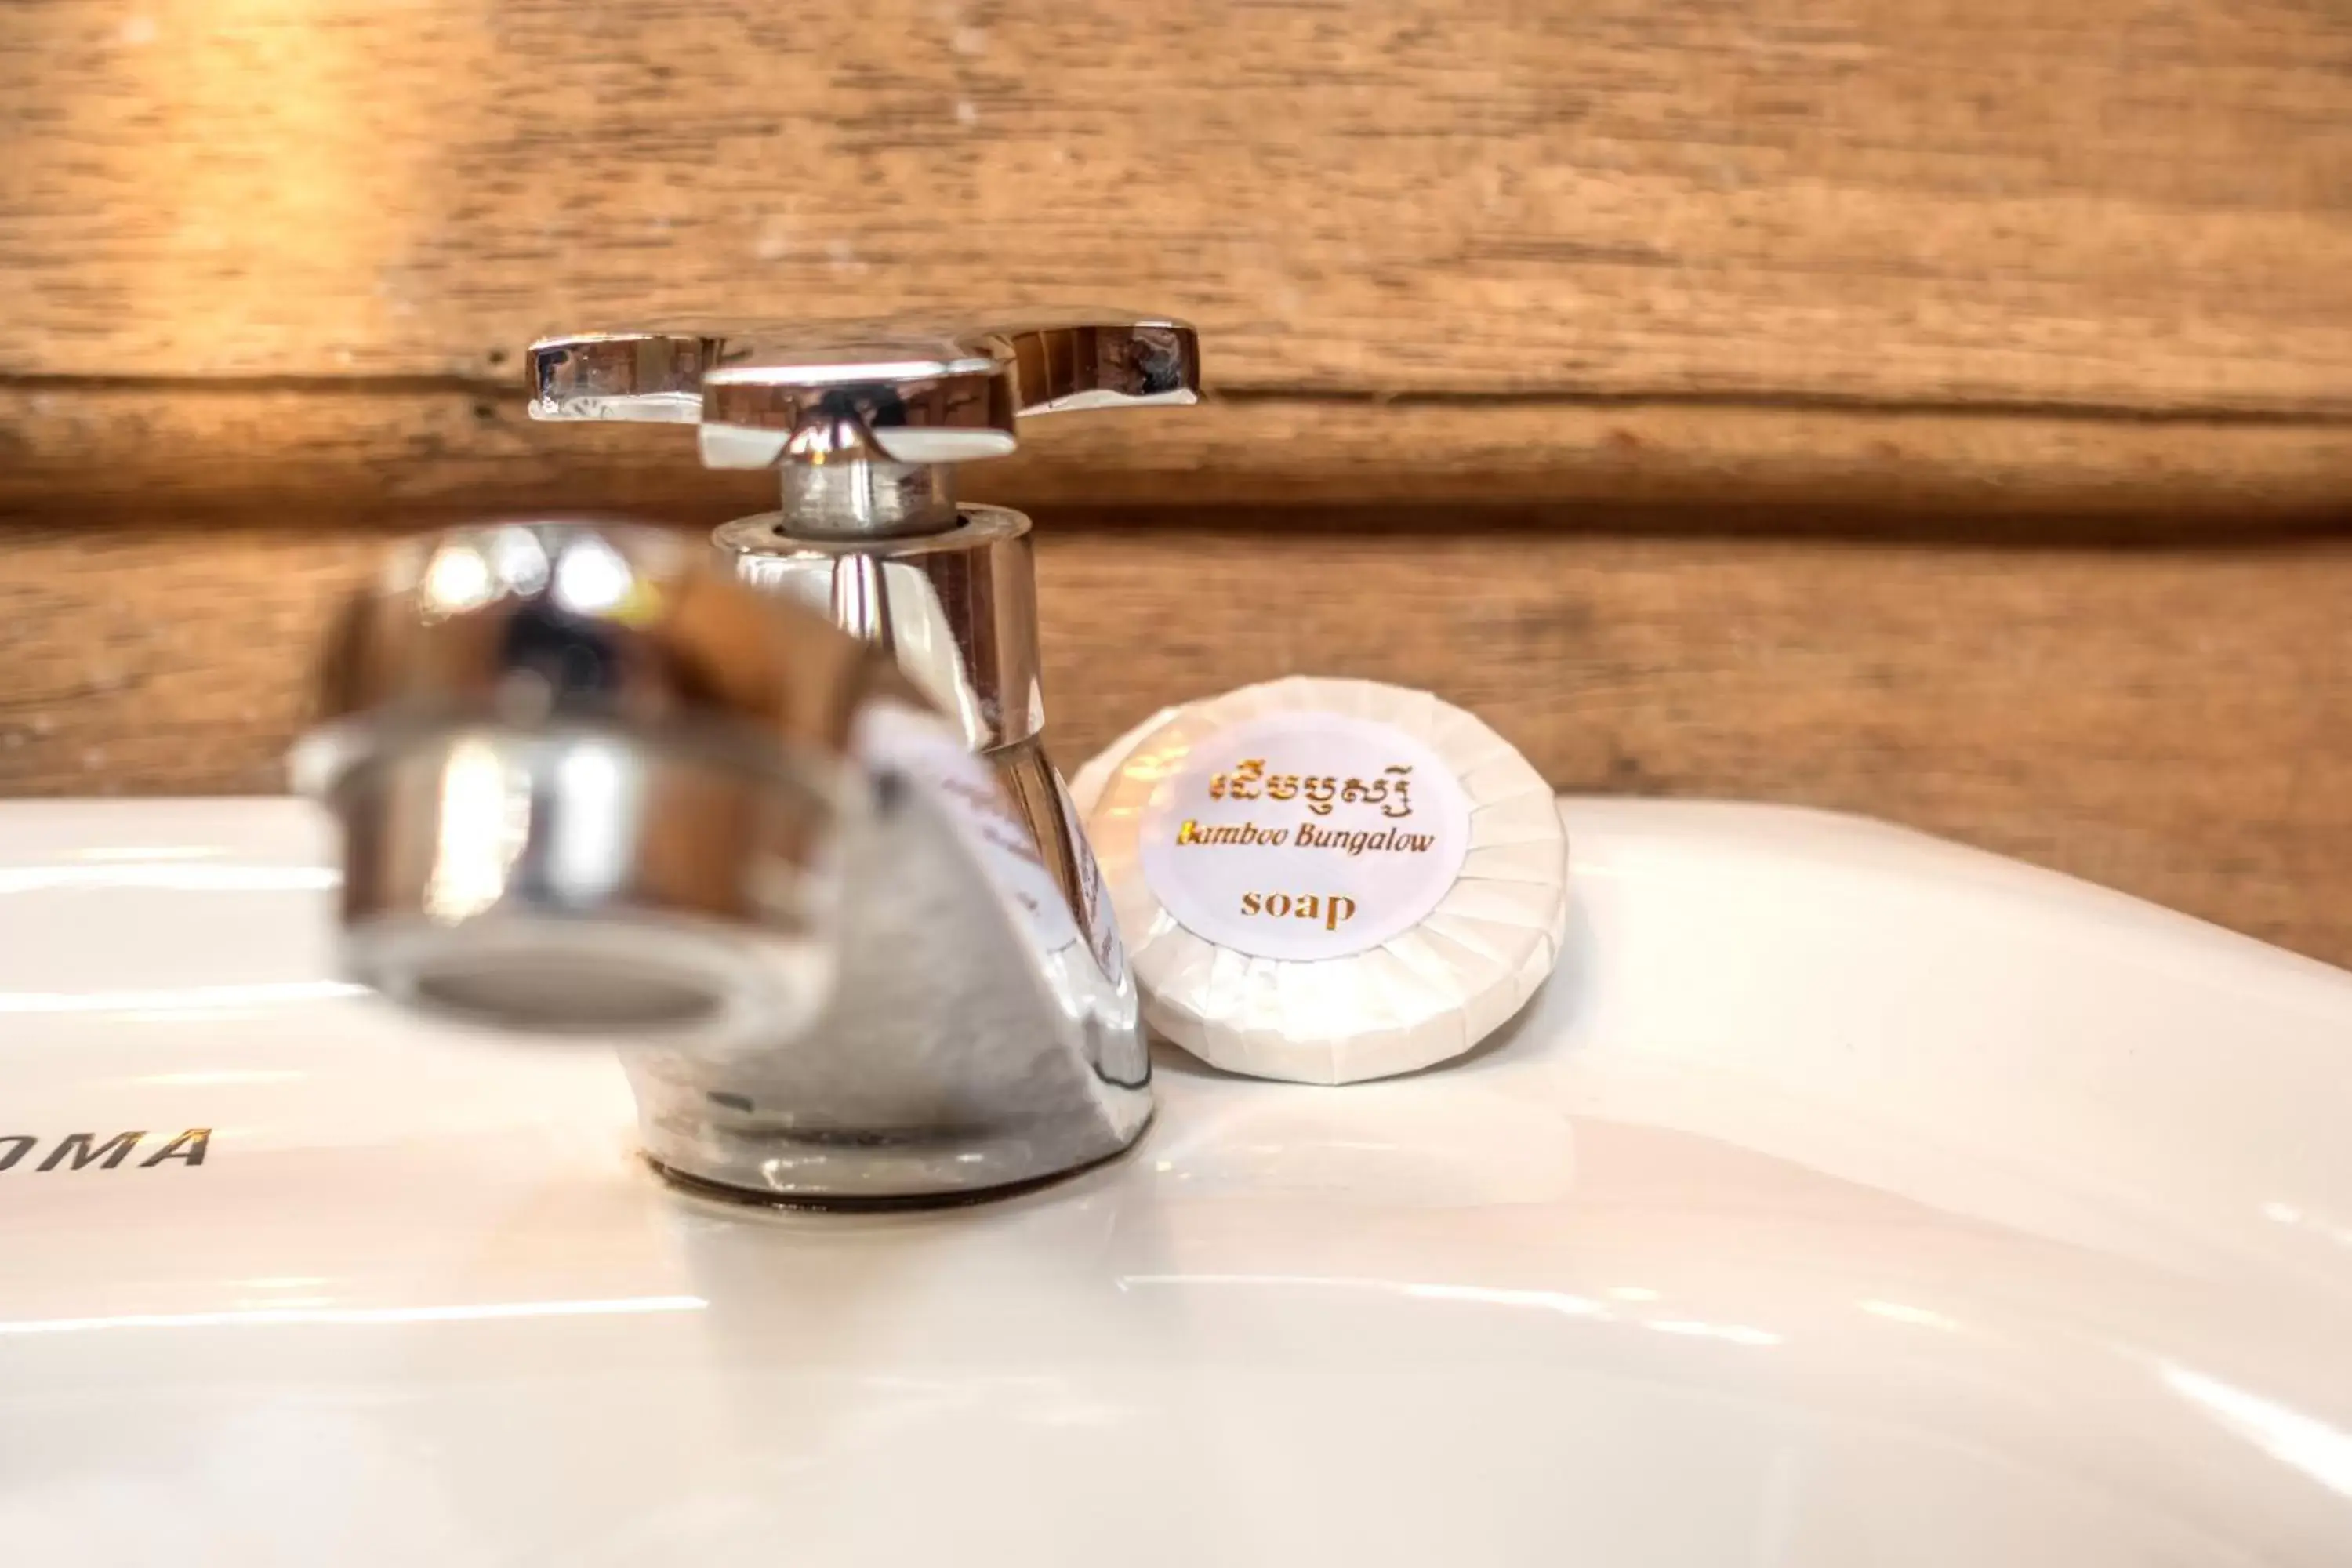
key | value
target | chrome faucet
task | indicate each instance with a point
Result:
(776, 819)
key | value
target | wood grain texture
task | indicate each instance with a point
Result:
(1723, 214)
(2177, 722)
(413, 455)
(1941, 317)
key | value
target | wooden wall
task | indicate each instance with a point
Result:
(1938, 410)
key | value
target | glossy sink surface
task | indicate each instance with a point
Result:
(1849, 1198)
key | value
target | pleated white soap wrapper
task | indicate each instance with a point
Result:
(1450, 957)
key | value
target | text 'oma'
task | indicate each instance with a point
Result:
(77, 1151)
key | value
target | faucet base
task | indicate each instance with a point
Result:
(967, 1044)
(900, 1203)
(725, 1141)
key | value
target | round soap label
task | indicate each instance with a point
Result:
(1305, 836)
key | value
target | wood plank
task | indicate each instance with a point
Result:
(2173, 722)
(2119, 204)
(413, 455)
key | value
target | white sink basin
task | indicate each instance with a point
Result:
(1849, 1198)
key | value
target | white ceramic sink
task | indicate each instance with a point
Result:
(1849, 1198)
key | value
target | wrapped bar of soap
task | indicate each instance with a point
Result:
(1327, 880)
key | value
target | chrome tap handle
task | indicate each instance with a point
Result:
(1096, 359)
(768, 393)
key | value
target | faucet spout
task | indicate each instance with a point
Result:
(591, 787)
